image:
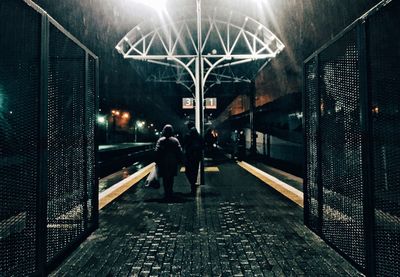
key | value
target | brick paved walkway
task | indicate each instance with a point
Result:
(238, 227)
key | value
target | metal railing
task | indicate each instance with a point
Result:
(48, 107)
(351, 114)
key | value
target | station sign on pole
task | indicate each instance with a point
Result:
(189, 103)
(211, 103)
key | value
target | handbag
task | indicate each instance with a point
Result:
(153, 180)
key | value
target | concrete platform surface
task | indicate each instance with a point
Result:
(235, 226)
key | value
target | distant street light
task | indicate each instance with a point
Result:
(138, 125)
(102, 120)
(126, 115)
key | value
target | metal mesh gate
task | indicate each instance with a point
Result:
(340, 129)
(384, 85)
(19, 133)
(351, 117)
(48, 106)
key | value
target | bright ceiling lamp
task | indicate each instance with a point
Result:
(158, 5)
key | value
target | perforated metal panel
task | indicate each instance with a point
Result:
(384, 83)
(359, 156)
(341, 148)
(56, 157)
(66, 145)
(311, 129)
(19, 137)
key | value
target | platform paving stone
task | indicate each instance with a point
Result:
(237, 226)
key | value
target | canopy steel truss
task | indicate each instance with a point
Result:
(180, 76)
(230, 39)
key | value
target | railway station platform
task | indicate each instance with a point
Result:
(236, 225)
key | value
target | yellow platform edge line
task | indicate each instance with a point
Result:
(206, 169)
(211, 169)
(110, 194)
(288, 191)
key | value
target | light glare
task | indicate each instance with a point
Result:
(101, 119)
(158, 5)
(140, 124)
(125, 115)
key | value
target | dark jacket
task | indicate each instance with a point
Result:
(193, 144)
(168, 155)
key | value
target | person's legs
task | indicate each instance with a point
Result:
(191, 170)
(168, 182)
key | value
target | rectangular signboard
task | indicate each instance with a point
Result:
(211, 103)
(187, 103)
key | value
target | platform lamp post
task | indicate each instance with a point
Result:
(199, 92)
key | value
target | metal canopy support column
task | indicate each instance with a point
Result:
(200, 87)
(197, 97)
(199, 112)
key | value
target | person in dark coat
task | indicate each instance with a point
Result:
(168, 154)
(193, 145)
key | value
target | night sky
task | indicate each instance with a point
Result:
(303, 26)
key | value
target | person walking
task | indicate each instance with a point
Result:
(193, 145)
(168, 154)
